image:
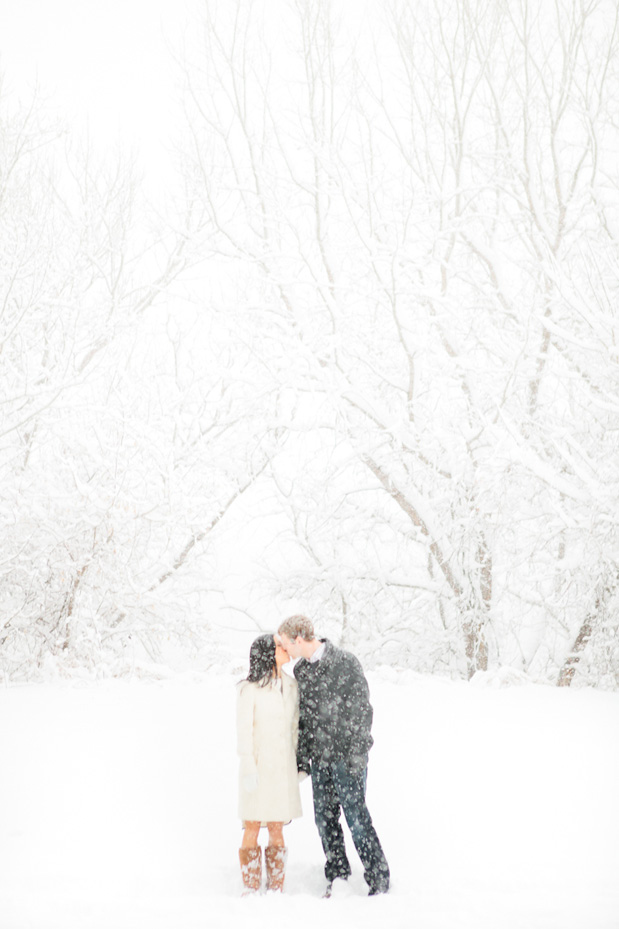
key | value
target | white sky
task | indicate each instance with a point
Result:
(106, 64)
(109, 64)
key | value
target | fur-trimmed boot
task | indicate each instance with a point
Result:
(251, 869)
(275, 858)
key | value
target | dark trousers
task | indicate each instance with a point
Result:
(338, 787)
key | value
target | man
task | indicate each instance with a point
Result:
(335, 718)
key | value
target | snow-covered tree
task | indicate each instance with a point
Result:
(121, 449)
(419, 201)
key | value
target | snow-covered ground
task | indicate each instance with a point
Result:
(497, 807)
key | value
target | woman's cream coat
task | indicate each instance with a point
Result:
(267, 729)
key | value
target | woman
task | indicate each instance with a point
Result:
(267, 728)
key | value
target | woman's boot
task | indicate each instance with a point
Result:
(251, 869)
(275, 858)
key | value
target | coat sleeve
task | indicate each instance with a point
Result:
(245, 727)
(358, 710)
(305, 734)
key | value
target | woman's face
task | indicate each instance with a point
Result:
(281, 655)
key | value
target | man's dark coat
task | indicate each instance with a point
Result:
(335, 715)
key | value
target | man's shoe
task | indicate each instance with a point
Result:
(380, 889)
(338, 887)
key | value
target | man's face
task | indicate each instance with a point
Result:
(291, 646)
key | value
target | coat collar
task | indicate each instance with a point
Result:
(318, 667)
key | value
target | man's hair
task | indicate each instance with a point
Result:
(297, 626)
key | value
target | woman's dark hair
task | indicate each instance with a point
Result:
(262, 660)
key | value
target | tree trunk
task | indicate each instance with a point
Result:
(476, 644)
(566, 675)
(584, 634)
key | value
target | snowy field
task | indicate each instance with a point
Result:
(497, 807)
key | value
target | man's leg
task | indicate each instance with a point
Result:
(327, 817)
(350, 787)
